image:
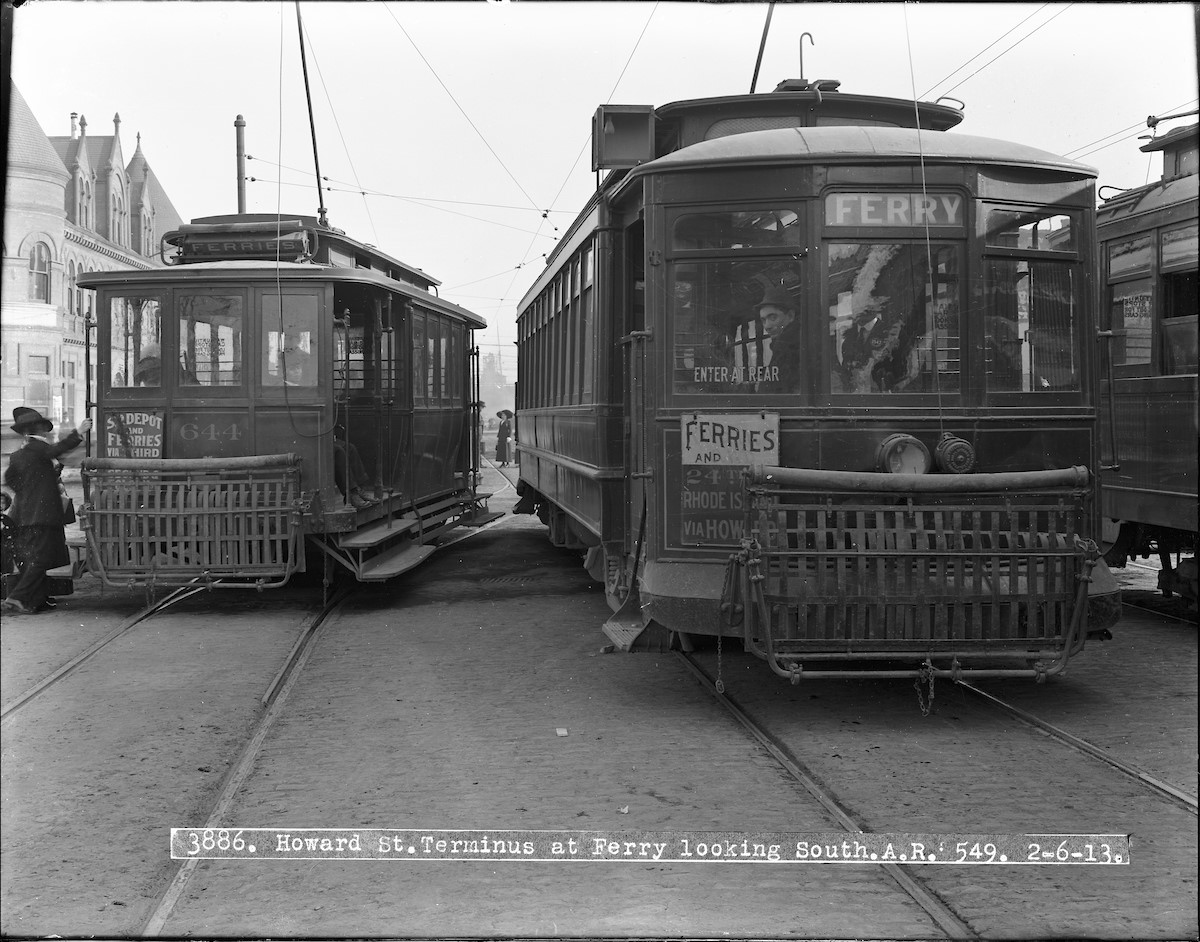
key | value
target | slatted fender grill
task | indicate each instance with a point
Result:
(931, 569)
(235, 522)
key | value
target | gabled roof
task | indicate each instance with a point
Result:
(72, 149)
(144, 186)
(99, 151)
(28, 147)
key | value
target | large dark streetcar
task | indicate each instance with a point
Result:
(804, 374)
(280, 385)
(1148, 258)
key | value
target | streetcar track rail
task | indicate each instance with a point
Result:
(1157, 785)
(178, 595)
(937, 909)
(276, 696)
(1158, 613)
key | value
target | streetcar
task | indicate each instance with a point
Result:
(277, 391)
(810, 372)
(1148, 257)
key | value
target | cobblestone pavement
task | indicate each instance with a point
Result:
(437, 700)
(485, 662)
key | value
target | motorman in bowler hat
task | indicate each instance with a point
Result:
(37, 513)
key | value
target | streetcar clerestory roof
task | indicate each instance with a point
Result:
(246, 271)
(851, 144)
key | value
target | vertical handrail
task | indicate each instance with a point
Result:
(1107, 336)
(475, 420)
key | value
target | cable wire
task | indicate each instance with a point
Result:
(1009, 49)
(406, 199)
(462, 111)
(981, 51)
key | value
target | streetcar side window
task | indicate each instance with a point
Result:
(1131, 306)
(1031, 340)
(893, 320)
(1178, 261)
(1131, 300)
(289, 340)
(210, 339)
(586, 325)
(1180, 323)
(135, 335)
(419, 358)
(1034, 294)
(434, 364)
(455, 379)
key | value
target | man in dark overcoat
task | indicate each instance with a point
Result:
(37, 511)
(778, 315)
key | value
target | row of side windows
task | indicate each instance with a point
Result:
(558, 344)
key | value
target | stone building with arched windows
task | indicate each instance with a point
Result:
(72, 205)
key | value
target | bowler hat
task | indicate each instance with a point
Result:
(26, 420)
(776, 295)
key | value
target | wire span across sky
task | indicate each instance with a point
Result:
(442, 126)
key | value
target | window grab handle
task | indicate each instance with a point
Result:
(637, 335)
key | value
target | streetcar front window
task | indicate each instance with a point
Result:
(289, 340)
(893, 322)
(1031, 338)
(722, 344)
(210, 339)
(725, 229)
(135, 336)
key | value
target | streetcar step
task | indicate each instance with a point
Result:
(394, 562)
(479, 519)
(623, 633)
(379, 532)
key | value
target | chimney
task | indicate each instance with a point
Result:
(74, 116)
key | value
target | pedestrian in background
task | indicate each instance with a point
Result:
(503, 434)
(37, 513)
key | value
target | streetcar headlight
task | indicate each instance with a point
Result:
(954, 455)
(904, 454)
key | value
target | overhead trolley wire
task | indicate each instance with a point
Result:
(1132, 130)
(406, 199)
(429, 65)
(1006, 51)
(613, 91)
(574, 163)
(400, 196)
(983, 50)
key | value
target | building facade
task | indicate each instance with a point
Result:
(72, 206)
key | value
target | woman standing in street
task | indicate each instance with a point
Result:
(503, 434)
(39, 542)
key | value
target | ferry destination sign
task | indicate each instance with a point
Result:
(736, 440)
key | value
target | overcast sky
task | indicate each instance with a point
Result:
(467, 124)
